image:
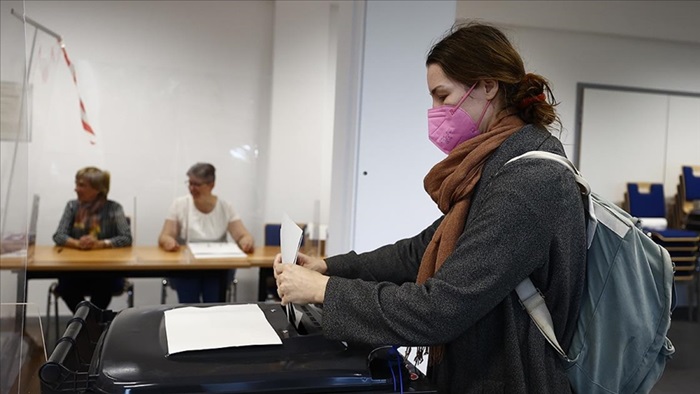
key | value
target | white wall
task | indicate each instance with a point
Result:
(648, 148)
(303, 97)
(351, 41)
(567, 58)
(165, 84)
(394, 151)
(670, 20)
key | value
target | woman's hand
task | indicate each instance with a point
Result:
(246, 243)
(87, 242)
(169, 244)
(312, 263)
(296, 284)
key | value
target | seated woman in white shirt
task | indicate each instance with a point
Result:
(201, 217)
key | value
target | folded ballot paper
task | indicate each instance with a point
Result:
(214, 250)
(202, 328)
(291, 236)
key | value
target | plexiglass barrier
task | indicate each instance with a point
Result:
(144, 101)
(14, 201)
(24, 349)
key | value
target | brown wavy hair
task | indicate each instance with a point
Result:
(98, 179)
(475, 51)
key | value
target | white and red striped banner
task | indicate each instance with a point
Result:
(83, 113)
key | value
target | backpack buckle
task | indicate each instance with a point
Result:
(533, 301)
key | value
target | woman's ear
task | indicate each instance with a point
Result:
(491, 88)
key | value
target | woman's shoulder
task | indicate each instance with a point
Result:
(182, 201)
(222, 202)
(227, 209)
(113, 204)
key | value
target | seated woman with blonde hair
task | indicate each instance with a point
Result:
(91, 222)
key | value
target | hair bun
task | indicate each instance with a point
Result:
(528, 101)
(530, 90)
(531, 100)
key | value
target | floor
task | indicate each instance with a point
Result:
(681, 376)
(682, 373)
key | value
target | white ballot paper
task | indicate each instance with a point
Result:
(214, 250)
(290, 240)
(215, 327)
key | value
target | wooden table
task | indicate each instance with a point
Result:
(138, 261)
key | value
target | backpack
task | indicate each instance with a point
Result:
(620, 343)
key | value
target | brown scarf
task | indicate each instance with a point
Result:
(88, 217)
(450, 184)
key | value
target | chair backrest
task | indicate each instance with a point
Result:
(691, 182)
(646, 200)
(272, 234)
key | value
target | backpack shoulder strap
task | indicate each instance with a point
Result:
(530, 297)
(533, 302)
(591, 219)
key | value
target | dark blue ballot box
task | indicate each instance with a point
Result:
(126, 352)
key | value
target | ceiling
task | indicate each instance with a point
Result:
(660, 20)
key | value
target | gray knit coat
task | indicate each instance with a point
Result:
(526, 219)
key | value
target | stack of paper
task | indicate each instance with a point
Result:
(213, 250)
(200, 328)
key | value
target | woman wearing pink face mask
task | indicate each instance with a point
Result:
(451, 287)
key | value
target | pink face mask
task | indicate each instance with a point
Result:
(449, 126)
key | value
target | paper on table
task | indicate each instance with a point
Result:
(203, 250)
(197, 328)
(16, 253)
(290, 240)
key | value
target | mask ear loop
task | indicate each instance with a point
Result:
(488, 103)
(459, 104)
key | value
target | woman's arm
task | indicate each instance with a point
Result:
(506, 240)
(62, 235)
(167, 239)
(241, 235)
(123, 229)
(397, 263)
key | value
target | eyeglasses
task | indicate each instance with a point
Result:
(195, 184)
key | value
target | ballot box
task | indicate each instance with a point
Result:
(127, 352)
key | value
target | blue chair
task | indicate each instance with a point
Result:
(690, 180)
(688, 196)
(267, 287)
(647, 201)
(231, 291)
(272, 234)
